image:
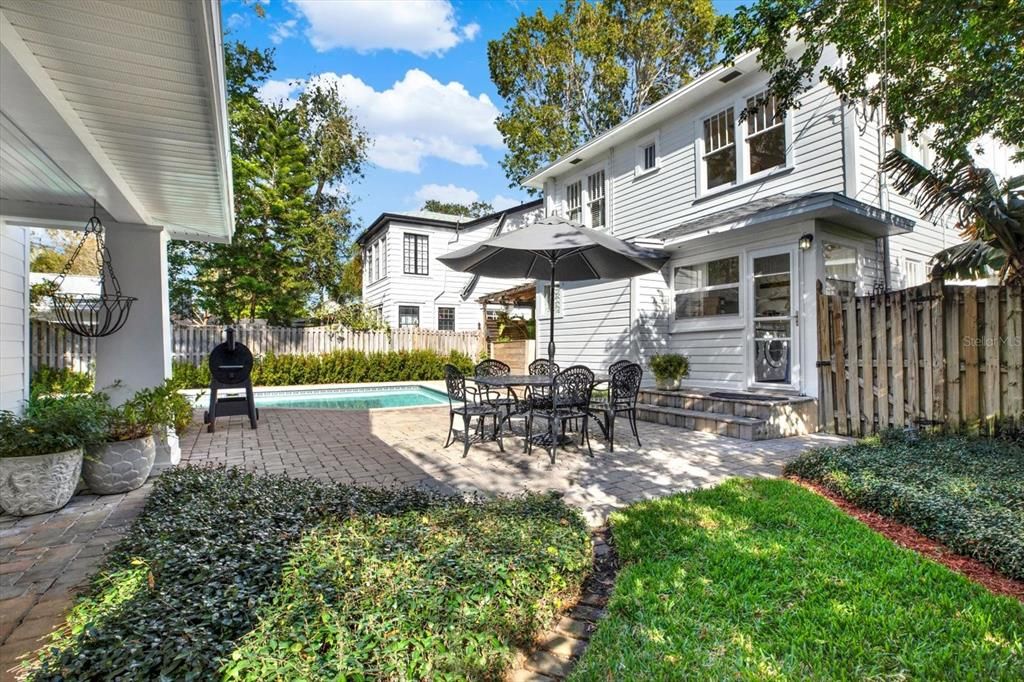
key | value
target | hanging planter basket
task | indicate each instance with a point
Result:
(92, 315)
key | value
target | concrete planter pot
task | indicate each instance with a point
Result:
(119, 467)
(39, 483)
(667, 384)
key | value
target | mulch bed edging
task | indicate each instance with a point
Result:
(560, 647)
(909, 538)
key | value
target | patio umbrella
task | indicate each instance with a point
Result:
(558, 250)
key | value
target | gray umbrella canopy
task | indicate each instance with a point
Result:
(557, 250)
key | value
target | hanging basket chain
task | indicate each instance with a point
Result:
(92, 315)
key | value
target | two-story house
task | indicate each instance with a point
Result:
(757, 213)
(408, 287)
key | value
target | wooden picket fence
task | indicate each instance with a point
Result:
(55, 347)
(929, 356)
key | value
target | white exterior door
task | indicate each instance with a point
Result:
(772, 332)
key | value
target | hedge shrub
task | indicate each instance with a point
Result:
(51, 380)
(228, 574)
(338, 367)
(967, 493)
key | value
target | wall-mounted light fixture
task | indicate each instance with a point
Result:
(806, 241)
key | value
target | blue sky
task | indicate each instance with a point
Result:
(416, 75)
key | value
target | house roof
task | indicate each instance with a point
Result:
(665, 108)
(123, 104)
(787, 207)
(442, 220)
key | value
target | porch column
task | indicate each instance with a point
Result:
(139, 354)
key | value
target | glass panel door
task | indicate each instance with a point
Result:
(773, 319)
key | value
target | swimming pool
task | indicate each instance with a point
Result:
(351, 398)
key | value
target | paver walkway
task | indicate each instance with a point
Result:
(42, 558)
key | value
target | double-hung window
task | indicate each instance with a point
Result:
(596, 199)
(720, 149)
(766, 133)
(574, 201)
(415, 254)
(708, 289)
(408, 316)
(368, 265)
(446, 319)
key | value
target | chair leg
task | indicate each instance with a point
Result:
(553, 432)
(465, 434)
(451, 429)
(586, 435)
(528, 445)
(611, 430)
(497, 431)
(632, 424)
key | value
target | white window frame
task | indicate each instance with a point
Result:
(743, 174)
(592, 199)
(641, 148)
(542, 293)
(861, 265)
(736, 321)
(368, 264)
(417, 234)
(574, 200)
(582, 178)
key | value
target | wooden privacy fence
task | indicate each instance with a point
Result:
(932, 355)
(55, 347)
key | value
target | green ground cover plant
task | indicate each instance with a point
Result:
(235, 575)
(339, 367)
(966, 492)
(765, 580)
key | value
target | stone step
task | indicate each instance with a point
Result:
(745, 428)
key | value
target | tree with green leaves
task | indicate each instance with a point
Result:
(568, 77)
(292, 220)
(476, 209)
(951, 72)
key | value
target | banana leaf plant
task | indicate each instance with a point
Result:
(990, 216)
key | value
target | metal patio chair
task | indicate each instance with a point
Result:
(623, 390)
(465, 401)
(504, 399)
(570, 400)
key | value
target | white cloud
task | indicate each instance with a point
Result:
(501, 202)
(236, 21)
(416, 118)
(448, 193)
(282, 31)
(423, 27)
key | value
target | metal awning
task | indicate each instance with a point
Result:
(784, 208)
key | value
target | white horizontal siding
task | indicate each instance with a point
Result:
(594, 327)
(13, 317)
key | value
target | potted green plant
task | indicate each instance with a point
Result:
(41, 452)
(668, 369)
(124, 460)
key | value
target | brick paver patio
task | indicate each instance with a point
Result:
(43, 558)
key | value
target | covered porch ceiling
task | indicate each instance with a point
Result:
(118, 101)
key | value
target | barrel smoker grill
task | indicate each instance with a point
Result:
(230, 368)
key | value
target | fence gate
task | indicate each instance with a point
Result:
(933, 355)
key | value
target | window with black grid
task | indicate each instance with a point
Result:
(408, 316)
(446, 319)
(415, 254)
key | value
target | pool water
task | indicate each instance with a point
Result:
(352, 398)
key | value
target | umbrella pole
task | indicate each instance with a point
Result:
(551, 314)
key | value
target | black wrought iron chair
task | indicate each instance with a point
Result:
(505, 399)
(466, 401)
(618, 364)
(540, 396)
(623, 390)
(570, 400)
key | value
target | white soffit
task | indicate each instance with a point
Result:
(142, 87)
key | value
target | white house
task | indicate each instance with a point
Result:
(408, 287)
(119, 106)
(756, 214)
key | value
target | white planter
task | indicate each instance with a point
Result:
(667, 384)
(39, 483)
(119, 467)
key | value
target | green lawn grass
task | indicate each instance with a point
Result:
(231, 575)
(762, 579)
(967, 493)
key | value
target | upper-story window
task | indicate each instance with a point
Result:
(720, 149)
(646, 155)
(596, 199)
(375, 260)
(368, 262)
(650, 156)
(574, 201)
(415, 254)
(766, 133)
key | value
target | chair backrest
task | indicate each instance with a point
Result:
(618, 364)
(573, 387)
(625, 384)
(543, 367)
(492, 368)
(455, 382)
